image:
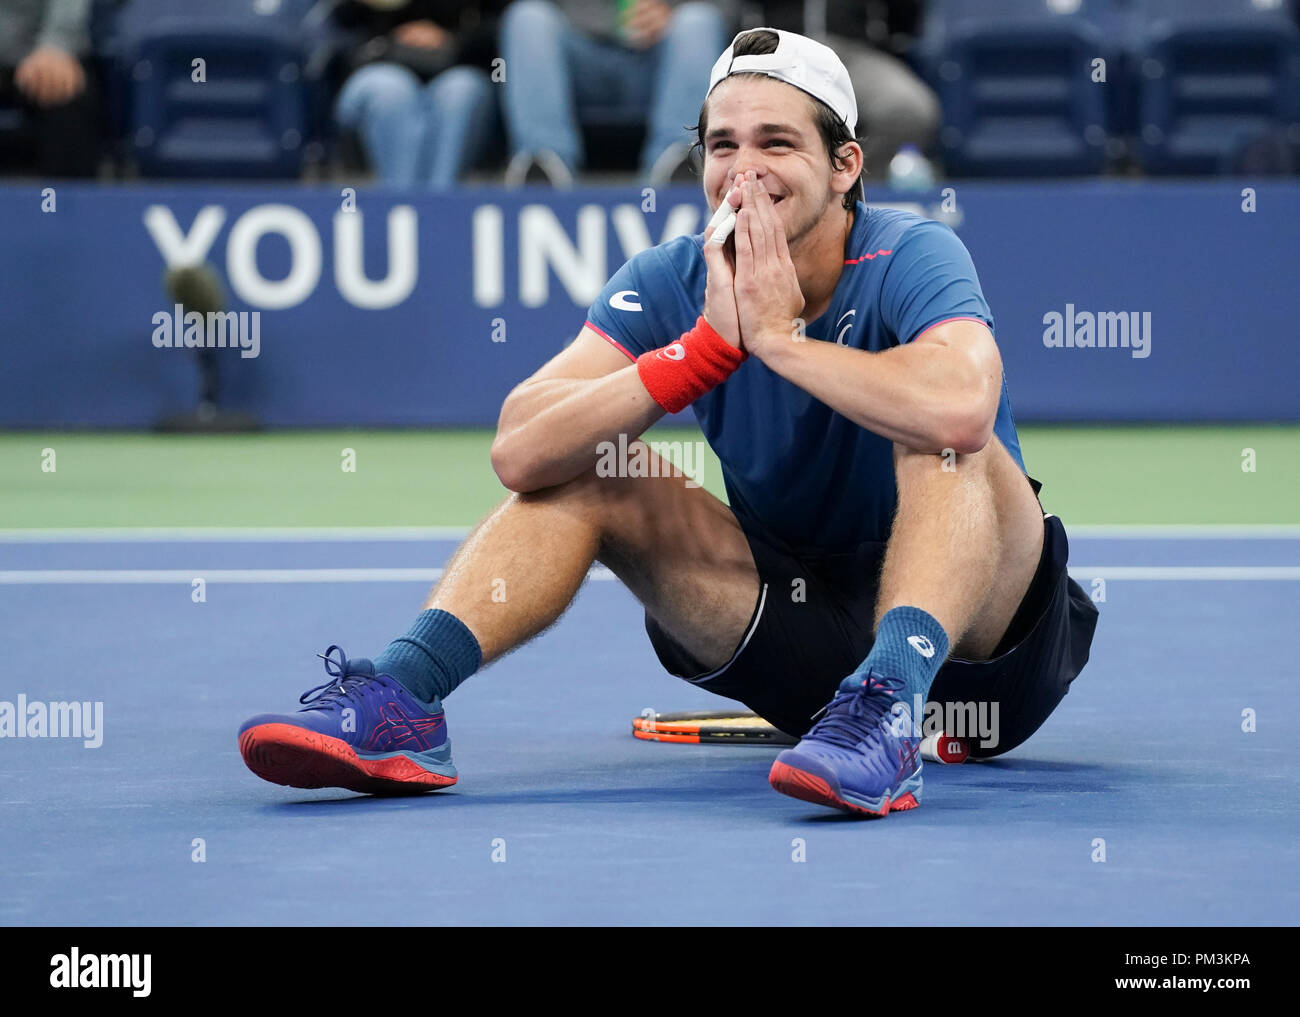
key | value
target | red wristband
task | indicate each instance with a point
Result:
(679, 373)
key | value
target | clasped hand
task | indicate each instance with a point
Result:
(752, 297)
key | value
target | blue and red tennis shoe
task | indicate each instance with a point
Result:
(863, 755)
(359, 731)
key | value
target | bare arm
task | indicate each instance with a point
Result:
(551, 423)
(938, 392)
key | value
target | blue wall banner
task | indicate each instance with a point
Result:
(1113, 300)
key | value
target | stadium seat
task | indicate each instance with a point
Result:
(610, 140)
(254, 115)
(1217, 77)
(106, 59)
(1015, 78)
(14, 133)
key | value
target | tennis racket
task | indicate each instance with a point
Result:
(739, 727)
(703, 727)
(722, 223)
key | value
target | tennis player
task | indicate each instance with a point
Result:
(883, 546)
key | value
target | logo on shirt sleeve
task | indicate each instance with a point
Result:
(625, 300)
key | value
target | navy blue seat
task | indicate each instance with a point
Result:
(611, 141)
(1216, 77)
(106, 52)
(1015, 79)
(253, 115)
(14, 128)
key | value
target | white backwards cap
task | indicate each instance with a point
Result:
(805, 63)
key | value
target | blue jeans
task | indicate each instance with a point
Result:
(554, 74)
(419, 134)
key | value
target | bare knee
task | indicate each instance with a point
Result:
(626, 514)
(588, 495)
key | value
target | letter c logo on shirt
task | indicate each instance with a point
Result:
(674, 351)
(621, 301)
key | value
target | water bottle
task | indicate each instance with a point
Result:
(909, 170)
(622, 8)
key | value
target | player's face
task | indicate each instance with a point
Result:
(765, 125)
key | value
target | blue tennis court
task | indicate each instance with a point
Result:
(1141, 801)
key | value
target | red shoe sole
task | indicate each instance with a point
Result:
(296, 757)
(809, 788)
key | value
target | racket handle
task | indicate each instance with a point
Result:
(724, 230)
(942, 748)
(722, 223)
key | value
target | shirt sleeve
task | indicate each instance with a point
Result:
(930, 279)
(621, 315)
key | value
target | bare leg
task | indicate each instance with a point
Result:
(678, 549)
(964, 545)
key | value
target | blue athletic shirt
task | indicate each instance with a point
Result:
(797, 472)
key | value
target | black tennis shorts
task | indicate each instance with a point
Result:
(805, 637)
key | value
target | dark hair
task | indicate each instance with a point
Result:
(833, 130)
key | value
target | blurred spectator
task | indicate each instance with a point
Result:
(895, 107)
(44, 74)
(421, 97)
(645, 61)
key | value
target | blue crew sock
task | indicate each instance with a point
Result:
(909, 645)
(433, 658)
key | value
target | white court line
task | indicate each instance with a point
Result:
(231, 534)
(1185, 531)
(20, 577)
(396, 534)
(1187, 573)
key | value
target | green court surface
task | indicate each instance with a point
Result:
(1091, 475)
